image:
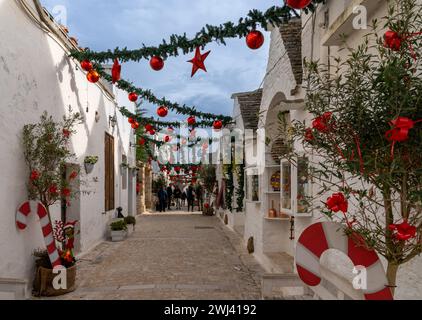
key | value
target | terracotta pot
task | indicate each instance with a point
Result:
(43, 282)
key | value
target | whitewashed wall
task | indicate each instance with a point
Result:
(37, 75)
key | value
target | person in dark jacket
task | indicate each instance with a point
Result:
(169, 196)
(177, 194)
(190, 195)
(200, 197)
(162, 199)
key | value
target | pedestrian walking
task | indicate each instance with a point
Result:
(162, 199)
(190, 197)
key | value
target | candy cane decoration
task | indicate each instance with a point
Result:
(320, 237)
(21, 221)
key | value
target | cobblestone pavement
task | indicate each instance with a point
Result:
(172, 256)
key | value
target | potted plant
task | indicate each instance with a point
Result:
(46, 152)
(209, 178)
(89, 163)
(118, 230)
(130, 222)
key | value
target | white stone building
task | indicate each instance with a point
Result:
(312, 37)
(37, 76)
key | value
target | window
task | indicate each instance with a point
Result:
(296, 188)
(109, 172)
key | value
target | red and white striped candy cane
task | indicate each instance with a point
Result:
(322, 236)
(21, 221)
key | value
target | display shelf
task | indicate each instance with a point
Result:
(276, 219)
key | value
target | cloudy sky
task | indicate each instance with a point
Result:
(107, 24)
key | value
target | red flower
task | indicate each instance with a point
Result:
(66, 133)
(309, 136)
(337, 202)
(392, 40)
(401, 128)
(322, 123)
(73, 175)
(66, 192)
(53, 190)
(403, 231)
(35, 175)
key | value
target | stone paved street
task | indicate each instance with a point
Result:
(173, 256)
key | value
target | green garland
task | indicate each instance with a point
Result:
(229, 186)
(150, 97)
(162, 124)
(273, 16)
(240, 190)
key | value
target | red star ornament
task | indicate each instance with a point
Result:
(198, 61)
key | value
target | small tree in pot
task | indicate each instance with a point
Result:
(209, 178)
(46, 154)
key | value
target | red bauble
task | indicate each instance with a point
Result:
(198, 61)
(167, 139)
(87, 65)
(148, 127)
(115, 71)
(218, 124)
(135, 125)
(298, 4)
(152, 132)
(392, 40)
(131, 120)
(162, 111)
(156, 63)
(177, 169)
(133, 96)
(255, 39)
(141, 141)
(191, 120)
(93, 76)
(35, 175)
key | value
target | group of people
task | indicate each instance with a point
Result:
(174, 195)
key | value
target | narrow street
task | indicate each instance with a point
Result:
(171, 256)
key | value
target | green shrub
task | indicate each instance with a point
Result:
(118, 225)
(130, 220)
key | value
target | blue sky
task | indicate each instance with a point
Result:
(106, 24)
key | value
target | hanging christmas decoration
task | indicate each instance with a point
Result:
(93, 76)
(255, 39)
(191, 120)
(116, 71)
(162, 111)
(148, 127)
(218, 124)
(167, 139)
(135, 125)
(133, 96)
(131, 120)
(87, 65)
(392, 40)
(298, 4)
(156, 63)
(152, 132)
(198, 61)
(35, 175)
(141, 141)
